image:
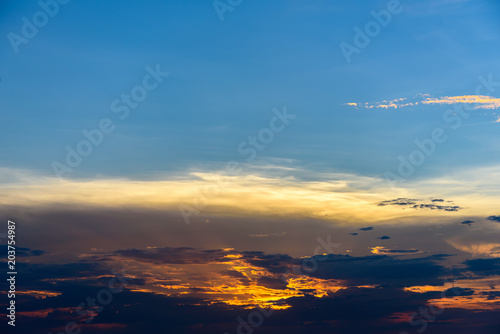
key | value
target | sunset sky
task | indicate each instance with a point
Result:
(252, 166)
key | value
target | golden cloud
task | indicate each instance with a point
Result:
(336, 197)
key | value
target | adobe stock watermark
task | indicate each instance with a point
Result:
(372, 29)
(92, 306)
(120, 106)
(249, 148)
(30, 28)
(223, 6)
(426, 147)
(308, 265)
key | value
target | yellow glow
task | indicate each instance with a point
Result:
(343, 198)
(424, 288)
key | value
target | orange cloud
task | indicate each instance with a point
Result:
(235, 282)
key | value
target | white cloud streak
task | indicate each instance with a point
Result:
(473, 101)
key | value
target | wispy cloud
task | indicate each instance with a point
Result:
(477, 248)
(472, 101)
(419, 204)
(480, 101)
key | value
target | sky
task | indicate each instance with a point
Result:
(325, 166)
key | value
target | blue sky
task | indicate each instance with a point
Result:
(226, 77)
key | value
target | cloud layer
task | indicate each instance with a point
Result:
(182, 289)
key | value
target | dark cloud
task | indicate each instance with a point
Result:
(457, 291)
(274, 263)
(24, 252)
(349, 311)
(353, 233)
(494, 218)
(467, 222)
(380, 270)
(439, 256)
(491, 294)
(398, 201)
(384, 237)
(366, 228)
(387, 251)
(352, 310)
(271, 283)
(39, 271)
(236, 274)
(484, 267)
(438, 207)
(419, 204)
(180, 255)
